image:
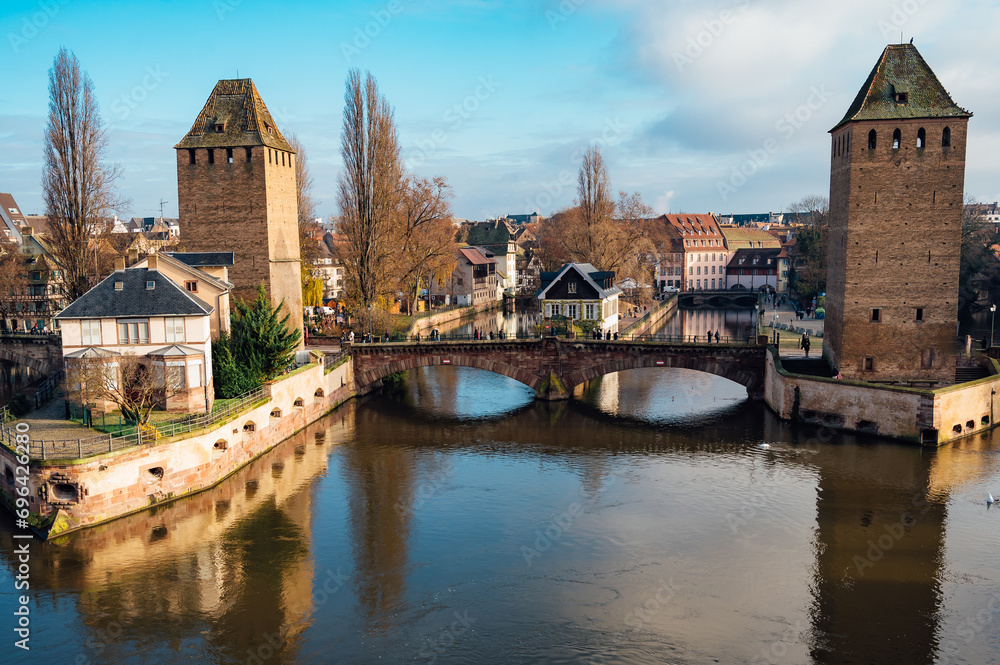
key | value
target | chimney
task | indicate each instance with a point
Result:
(133, 256)
(119, 264)
(151, 262)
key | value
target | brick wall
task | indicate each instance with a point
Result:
(894, 246)
(249, 208)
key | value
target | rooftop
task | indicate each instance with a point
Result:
(135, 298)
(234, 115)
(900, 86)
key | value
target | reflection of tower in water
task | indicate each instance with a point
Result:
(380, 479)
(731, 323)
(879, 548)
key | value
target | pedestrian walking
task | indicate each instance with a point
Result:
(804, 343)
(716, 336)
(708, 335)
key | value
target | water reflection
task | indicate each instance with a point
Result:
(466, 523)
(735, 323)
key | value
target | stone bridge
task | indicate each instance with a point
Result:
(732, 299)
(553, 366)
(42, 353)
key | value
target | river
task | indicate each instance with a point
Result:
(461, 522)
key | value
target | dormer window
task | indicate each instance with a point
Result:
(267, 128)
(902, 98)
(119, 286)
(150, 285)
(219, 127)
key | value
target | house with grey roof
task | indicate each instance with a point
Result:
(140, 311)
(580, 292)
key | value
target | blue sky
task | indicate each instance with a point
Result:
(502, 97)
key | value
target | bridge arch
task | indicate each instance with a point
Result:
(453, 360)
(748, 380)
(42, 367)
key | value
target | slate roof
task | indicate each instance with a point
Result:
(590, 274)
(754, 258)
(134, 299)
(203, 259)
(901, 68)
(236, 104)
(175, 350)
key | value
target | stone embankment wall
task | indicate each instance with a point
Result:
(650, 319)
(425, 324)
(103, 487)
(929, 417)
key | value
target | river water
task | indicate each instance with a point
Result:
(461, 522)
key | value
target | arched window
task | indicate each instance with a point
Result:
(921, 138)
(299, 402)
(871, 139)
(946, 138)
(276, 413)
(897, 139)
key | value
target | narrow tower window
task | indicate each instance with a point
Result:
(249, 154)
(211, 156)
(896, 139)
(921, 138)
(229, 155)
(191, 156)
(946, 138)
(871, 139)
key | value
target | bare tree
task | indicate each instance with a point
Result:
(13, 284)
(77, 184)
(369, 191)
(815, 206)
(427, 235)
(594, 201)
(125, 380)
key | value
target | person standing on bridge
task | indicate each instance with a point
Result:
(804, 344)
(716, 336)
(708, 335)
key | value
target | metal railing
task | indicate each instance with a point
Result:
(46, 390)
(332, 360)
(129, 434)
(585, 337)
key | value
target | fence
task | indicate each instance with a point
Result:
(128, 434)
(645, 337)
(333, 360)
(47, 388)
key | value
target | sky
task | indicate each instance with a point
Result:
(701, 106)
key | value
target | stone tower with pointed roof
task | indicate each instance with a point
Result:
(236, 192)
(897, 174)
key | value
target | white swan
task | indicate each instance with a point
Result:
(990, 499)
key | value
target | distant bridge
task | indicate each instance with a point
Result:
(732, 299)
(552, 366)
(42, 353)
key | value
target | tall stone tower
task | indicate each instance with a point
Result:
(236, 192)
(897, 174)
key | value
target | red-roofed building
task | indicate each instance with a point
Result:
(475, 280)
(697, 258)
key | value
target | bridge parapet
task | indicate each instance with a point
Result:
(553, 367)
(41, 353)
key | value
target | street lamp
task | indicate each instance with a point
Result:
(756, 320)
(993, 318)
